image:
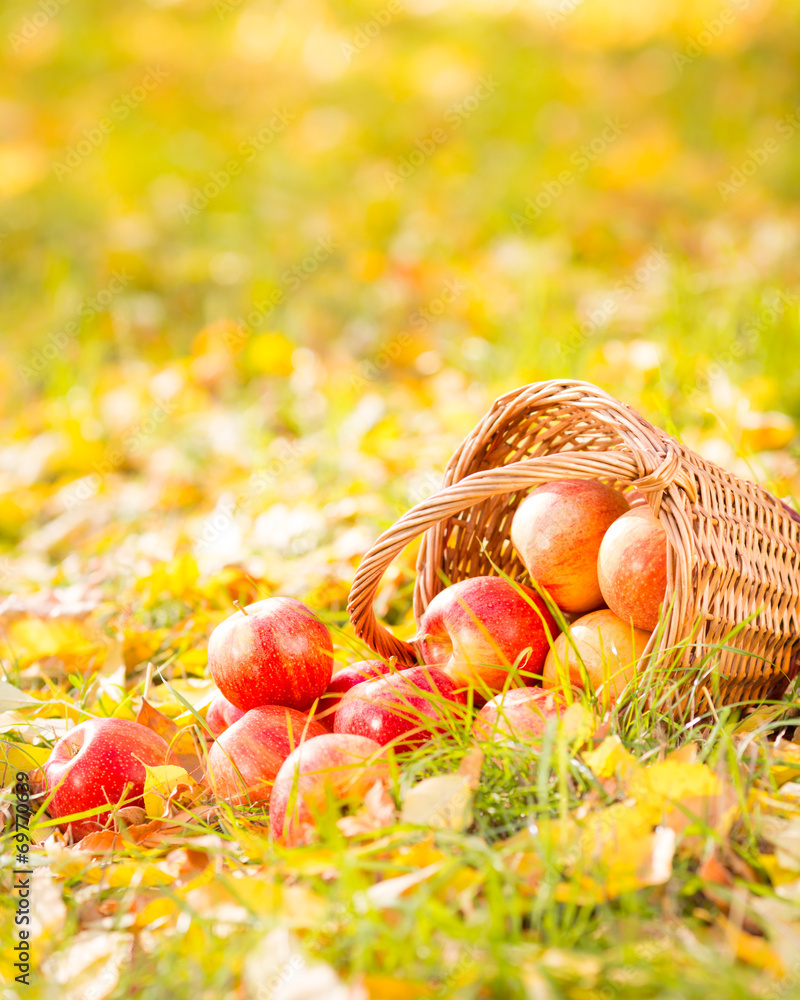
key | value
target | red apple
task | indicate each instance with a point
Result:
(632, 567)
(608, 648)
(557, 531)
(519, 713)
(243, 762)
(100, 763)
(336, 768)
(221, 714)
(342, 681)
(476, 630)
(414, 704)
(273, 652)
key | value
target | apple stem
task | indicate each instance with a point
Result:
(237, 605)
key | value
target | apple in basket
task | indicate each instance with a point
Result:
(243, 762)
(632, 567)
(98, 764)
(327, 772)
(272, 652)
(557, 531)
(479, 630)
(599, 649)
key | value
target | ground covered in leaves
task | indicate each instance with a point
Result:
(252, 303)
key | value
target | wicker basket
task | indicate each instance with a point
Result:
(733, 549)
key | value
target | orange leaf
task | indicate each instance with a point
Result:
(181, 741)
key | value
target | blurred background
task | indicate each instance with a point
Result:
(264, 264)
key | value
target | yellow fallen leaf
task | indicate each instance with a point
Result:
(135, 873)
(778, 875)
(674, 792)
(634, 862)
(19, 757)
(391, 988)
(74, 643)
(386, 893)
(157, 910)
(756, 951)
(90, 965)
(762, 716)
(577, 723)
(786, 766)
(166, 784)
(611, 758)
(443, 802)
(177, 578)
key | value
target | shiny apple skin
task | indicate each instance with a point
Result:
(342, 681)
(276, 652)
(557, 531)
(632, 568)
(256, 746)
(101, 762)
(389, 708)
(341, 767)
(477, 629)
(221, 714)
(520, 713)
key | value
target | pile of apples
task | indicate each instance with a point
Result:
(290, 732)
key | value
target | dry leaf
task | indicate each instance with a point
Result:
(443, 802)
(89, 967)
(165, 785)
(377, 812)
(611, 759)
(181, 741)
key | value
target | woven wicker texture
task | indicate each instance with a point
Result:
(733, 549)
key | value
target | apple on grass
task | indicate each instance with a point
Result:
(272, 652)
(519, 713)
(479, 630)
(243, 762)
(608, 648)
(325, 774)
(404, 709)
(632, 567)
(342, 681)
(557, 531)
(221, 714)
(101, 763)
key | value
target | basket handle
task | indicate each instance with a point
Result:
(652, 476)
